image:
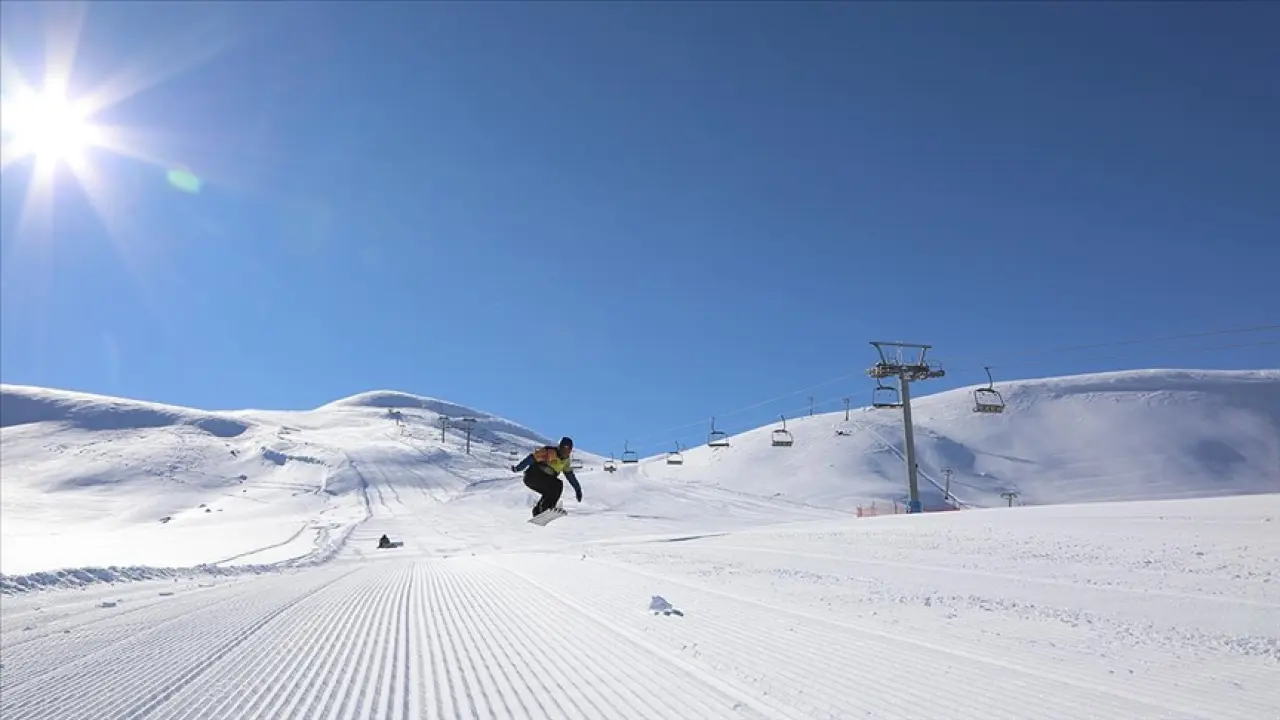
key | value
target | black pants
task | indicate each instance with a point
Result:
(548, 486)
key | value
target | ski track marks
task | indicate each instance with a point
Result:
(394, 640)
(839, 665)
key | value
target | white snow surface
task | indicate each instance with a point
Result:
(165, 562)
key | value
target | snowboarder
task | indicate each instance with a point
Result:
(542, 468)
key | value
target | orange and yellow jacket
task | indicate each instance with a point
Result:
(549, 461)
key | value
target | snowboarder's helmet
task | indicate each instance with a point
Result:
(566, 442)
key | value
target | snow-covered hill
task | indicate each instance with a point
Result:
(146, 489)
(1133, 435)
(89, 480)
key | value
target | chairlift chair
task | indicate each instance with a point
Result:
(716, 438)
(575, 464)
(675, 457)
(782, 437)
(629, 456)
(988, 399)
(885, 396)
(610, 465)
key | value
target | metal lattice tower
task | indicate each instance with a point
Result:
(906, 371)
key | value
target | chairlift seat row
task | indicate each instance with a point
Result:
(717, 438)
(675, 457)
(988, 399)
(782, 437)
(885, 396)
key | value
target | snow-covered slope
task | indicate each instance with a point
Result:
(1111, 436)
(96, 481)
(1164, 610)
(735, 586)
(87, 480)
(142, 489)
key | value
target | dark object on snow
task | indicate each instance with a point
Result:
(385, 542)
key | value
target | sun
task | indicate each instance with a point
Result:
(48, 126)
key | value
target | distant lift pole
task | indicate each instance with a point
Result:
(906, 372)
(469, 422)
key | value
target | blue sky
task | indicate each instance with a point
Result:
(609, 220)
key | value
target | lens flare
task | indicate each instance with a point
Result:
(184, 180)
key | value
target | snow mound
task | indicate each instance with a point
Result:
(659, 605)
(24, 405)
(395, 399)
(486, 428)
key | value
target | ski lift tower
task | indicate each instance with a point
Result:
(906, 371)
(468, 422)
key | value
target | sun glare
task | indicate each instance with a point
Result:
(57, 138)
(47, 126)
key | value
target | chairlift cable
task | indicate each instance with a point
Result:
(952, 371)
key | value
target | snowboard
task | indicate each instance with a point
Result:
(547, 516)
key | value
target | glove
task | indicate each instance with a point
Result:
(513, 469)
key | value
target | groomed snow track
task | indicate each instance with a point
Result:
(455, 638)
(552, 635)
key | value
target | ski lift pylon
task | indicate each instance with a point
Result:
(885, 396)
(629, 456)
(988, 399)
(782, 437)
(716, 438)
(675, 457)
